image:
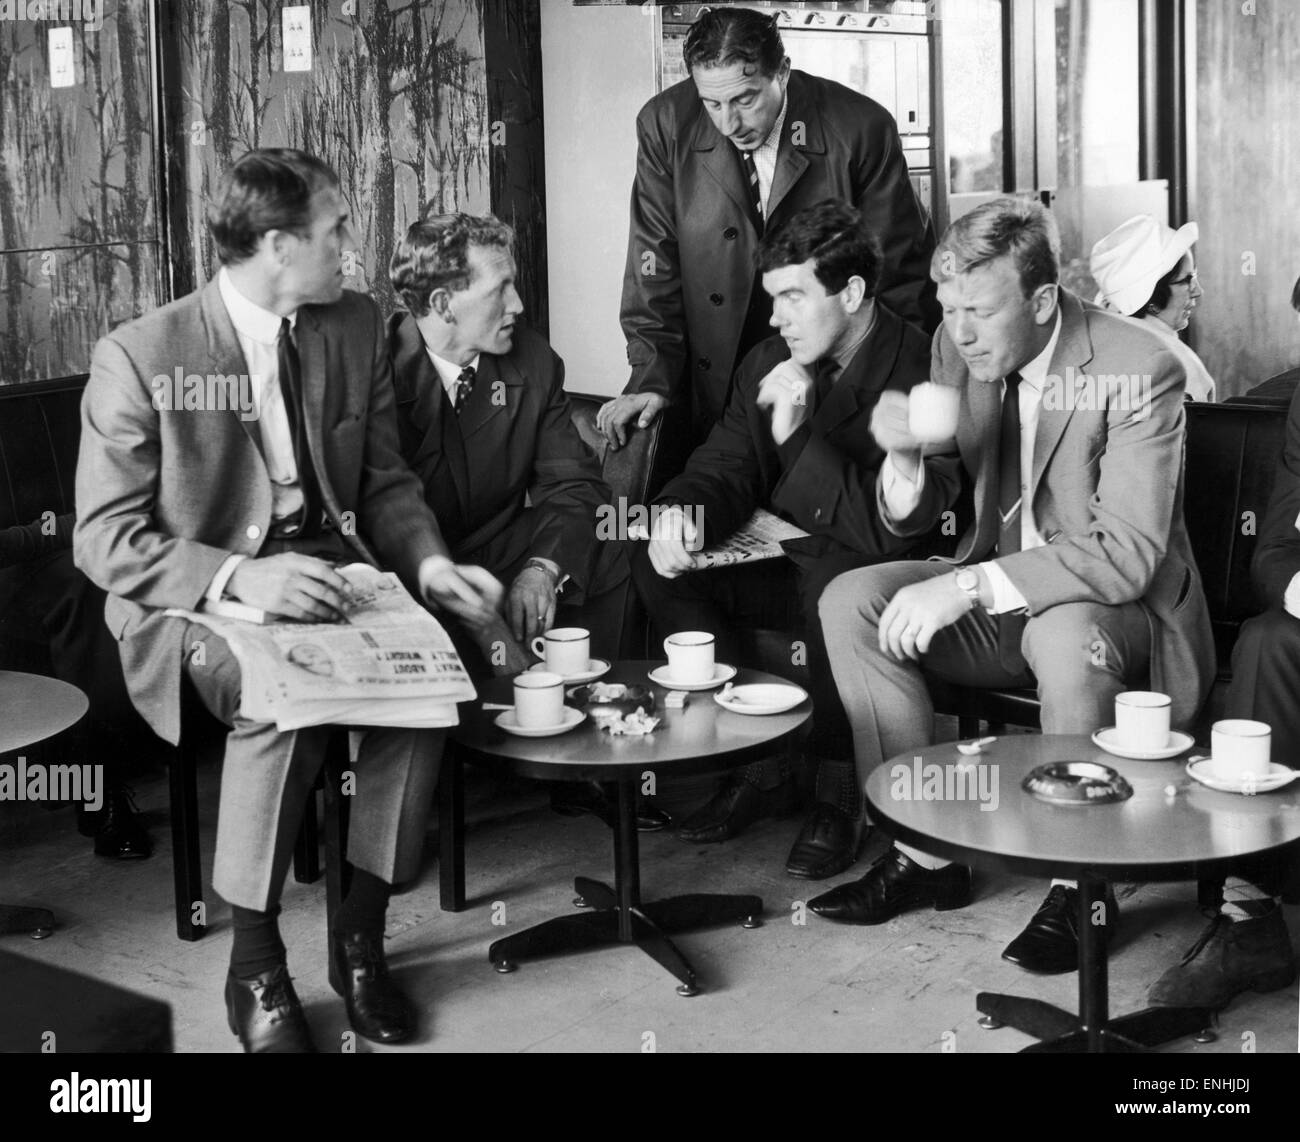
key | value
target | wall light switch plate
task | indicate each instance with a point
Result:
(296, 25)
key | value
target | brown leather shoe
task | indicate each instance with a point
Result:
(894, 884)
(265, 1013)
(1229, 957)
(733, 808)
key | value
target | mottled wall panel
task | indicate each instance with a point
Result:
(396, 102)
(78, 226)
(1246, 188)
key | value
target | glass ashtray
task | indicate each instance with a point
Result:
(1076, 783)
(599, 698)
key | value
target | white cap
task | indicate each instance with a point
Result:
(1129, 261)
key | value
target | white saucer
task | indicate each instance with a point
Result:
(760, 698)
(572, 717)
(1202, 769)
(596, 668)
(1179, 742)
(721, 673)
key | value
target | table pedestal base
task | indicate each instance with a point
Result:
(1092, 1029)
(618, 916)
(1061, 1032)
(39, 922)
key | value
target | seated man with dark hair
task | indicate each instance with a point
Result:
(52, 618)
(794, 438)
(1247, 946)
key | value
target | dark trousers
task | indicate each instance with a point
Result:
(771, 594)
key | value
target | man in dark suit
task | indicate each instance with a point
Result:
(183, 503)
(1247, 946)
(738, 149)
(1068, 580)
(795, 439)
(483, 420)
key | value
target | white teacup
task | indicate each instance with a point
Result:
(1240, 748)
(690, 656)
(1142, 720)
(565, 650)
(932, 412)
(539, 699)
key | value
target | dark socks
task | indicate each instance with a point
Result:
(769, 773)
(837, 784)
(365, 906)
(257, 947)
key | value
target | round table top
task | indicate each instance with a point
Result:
(986, 819)
(700, 737)
(33, 707)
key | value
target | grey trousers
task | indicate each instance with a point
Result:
(1079, 655)
(267, 776)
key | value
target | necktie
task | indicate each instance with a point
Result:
(824, 379)
(464, 386)
(755, 189)
(1010, 625)
(309, 520)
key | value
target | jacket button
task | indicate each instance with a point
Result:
(817, 515)
(253, 531)
(731, 233)
(716, 298)
(704, 363)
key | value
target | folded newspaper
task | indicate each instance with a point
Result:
(390, 664)
(759, 538)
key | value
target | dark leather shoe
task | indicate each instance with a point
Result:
(1049, 945)
(116, 828)
(572, 799)
(733, 808)
(894, 884)
(827, 844)
(265, 1013)
(1231, 956)
(377, 1010)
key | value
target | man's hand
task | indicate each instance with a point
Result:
(615, 415)
(470, 593)
(293, 586)
(889, 427)
(668, 543)
(530, 605)
(787, 392)
(917, 613)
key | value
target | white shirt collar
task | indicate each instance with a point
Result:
(1035, 373)
(449, 373)
(250, 319)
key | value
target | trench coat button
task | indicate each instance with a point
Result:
(731, 233)
(704, 363)
(253, 531)
(716, 298)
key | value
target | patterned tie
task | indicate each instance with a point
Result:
(755, 189)
(308, 523)
(464, 386)
(1010, 625)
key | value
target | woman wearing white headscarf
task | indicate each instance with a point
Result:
(1146, 270)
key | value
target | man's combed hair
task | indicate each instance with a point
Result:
(1017, 227)
(267, 189)
(723, 36)
(434, 254)
(835, 237)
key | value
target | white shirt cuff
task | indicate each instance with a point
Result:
(217, 588)
(1005, 595)
(901, 494)
(1291, 597)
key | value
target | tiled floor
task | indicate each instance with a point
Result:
(908, 985)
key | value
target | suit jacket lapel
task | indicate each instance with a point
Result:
(491, 407)
(225, 355)
(791, 160)
(1073, 352)
(866, 374)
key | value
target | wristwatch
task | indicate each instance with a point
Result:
(968, 581)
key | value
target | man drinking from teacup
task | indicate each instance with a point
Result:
(1247, 946)
(794, 439)
(1076, 576)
